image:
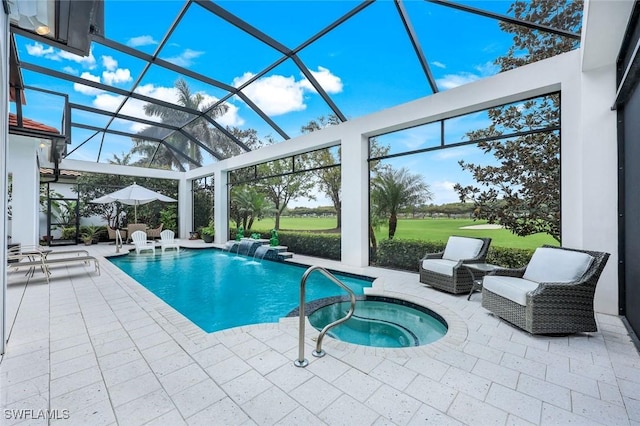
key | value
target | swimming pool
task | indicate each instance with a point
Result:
(217, 290)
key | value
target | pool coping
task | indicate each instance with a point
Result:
(173, 321)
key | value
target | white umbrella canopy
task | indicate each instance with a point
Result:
(133, 195)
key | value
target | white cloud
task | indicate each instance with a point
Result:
(229, 118)
(109, 63)
(443, 192)
(457, 153)
(438, 64)
(88, 76)
(109, 102)
(118, 76)
(70, 70)
(274, 95)
(278, 94)
(135, 107)
(330, 83)
(168, 94)
(320, 199)
(137, 127)
(185, 59)
(450, 81)
(487, 69)
(143, 40)
(420, 137)
(88, 90)
(38, 49)
(86, 61)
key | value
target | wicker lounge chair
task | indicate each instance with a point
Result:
(154, 232)
(552, 295)
(112, 233)
(445, 270)
(133, 227)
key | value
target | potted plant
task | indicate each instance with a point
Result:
(90, 233)
(207, 233)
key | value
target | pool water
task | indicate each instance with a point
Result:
(386, 323)
(217, 290)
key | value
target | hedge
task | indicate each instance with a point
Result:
(396, 254)
(405, 254)
(509, 257)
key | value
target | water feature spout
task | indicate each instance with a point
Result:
(245, 246)
(261, 252)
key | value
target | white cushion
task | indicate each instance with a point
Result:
(549, 265)
(514, 289)
(441, 266)
(459, 248)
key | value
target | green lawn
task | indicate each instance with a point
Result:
(417, 229)
(296, 223)
(441, 229)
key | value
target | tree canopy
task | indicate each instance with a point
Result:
(393, 190)
(328, 173)
(522, 192)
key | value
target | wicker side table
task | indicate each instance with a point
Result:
(478, 271)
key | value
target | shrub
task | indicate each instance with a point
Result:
(320, 245)
(405, 254)
(509, 257)
(69, 233)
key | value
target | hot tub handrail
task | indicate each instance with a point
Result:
(118, 240)
(301, 361)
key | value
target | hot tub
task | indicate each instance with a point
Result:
(379, 321)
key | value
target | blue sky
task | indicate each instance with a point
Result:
(365, 65)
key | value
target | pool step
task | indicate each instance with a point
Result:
(285, 255)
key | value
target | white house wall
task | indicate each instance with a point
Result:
(599, 178)
(185, 208)
(4, 141)
(25, 209)
(603, 29)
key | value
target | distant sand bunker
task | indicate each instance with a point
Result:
(485, 226)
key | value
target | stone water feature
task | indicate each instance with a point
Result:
(258, 249)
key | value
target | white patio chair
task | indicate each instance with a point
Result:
(141, 243)
(167, 240)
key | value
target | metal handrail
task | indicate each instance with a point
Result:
(118, 240)
(301, 361)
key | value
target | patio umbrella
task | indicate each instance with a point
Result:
(133, 195)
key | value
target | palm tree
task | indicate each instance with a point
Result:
(250, 205)
(199, 128)
(392, 190)
(125, 160)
